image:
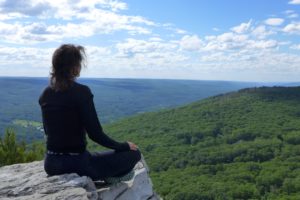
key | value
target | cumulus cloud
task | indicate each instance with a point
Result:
(267, 62)
(59, 8)
(68, 20)
(225, 41)
(26, 56)
(294, 2)
(261, 32)
(231, 37)
(157, 39)
(295, 46)
(230, 42)
(180, 31)
(242, 28)
(35, 57)
(190, 43)
(147, 46)
(274, 21)
(29, 8)
(132, 47)
(173, 28)
(262, 44)
(26, 34)
(158, 55)
(292, 28)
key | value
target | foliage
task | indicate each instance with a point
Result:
(12, 152)
(114, 98)
(240, 145)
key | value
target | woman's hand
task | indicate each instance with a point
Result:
(132, 146)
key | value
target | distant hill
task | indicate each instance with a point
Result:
(114, 98)
(239, 145)
(292, 84)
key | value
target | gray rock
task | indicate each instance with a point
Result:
(29, 181)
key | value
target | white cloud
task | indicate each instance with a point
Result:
(146, 55)
(224, 42)
(117, 5)
(190, 42)
(295, 46)
(231, 37)
(96, 52)
(274, 21)
(292, 28)
(60, 8)
(230, 42)
(25, 56)
(132, 47)
(27, 8)
(262, 44)
(291, 14)
(34, 61)
(261, 32)
(242, 28)
(172, 27)
(180, 31)
(88, 18)
(155, 39)
(147, 47)
(30, 55)
(236, 42)
(294, 2)
(294, 15)
(287, 12)
(260, 62)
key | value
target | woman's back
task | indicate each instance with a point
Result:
(62, 118)
(68, 113)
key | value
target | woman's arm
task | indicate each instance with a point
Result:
(93, 126)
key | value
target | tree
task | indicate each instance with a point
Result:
(11, 152)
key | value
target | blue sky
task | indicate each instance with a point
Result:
(249, 40)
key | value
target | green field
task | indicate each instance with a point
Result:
(26, 123)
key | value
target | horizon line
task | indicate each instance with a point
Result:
(143, 78)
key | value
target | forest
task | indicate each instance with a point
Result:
(114, 98)
(238, 145)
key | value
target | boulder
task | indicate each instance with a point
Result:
(29, 181)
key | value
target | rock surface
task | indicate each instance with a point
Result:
(29, 181)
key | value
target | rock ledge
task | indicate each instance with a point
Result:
(29, 181)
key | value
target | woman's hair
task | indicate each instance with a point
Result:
(67, 61)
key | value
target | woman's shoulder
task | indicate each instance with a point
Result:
(82, 92)
(81, 87)
(44, 94)
(78, 92)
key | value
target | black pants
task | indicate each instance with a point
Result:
(97, 165)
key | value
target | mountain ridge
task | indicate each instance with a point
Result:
(238, 145)
(114, 98)
(252, 131)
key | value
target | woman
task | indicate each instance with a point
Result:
(68, 113)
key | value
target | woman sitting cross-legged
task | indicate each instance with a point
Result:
(68, 114)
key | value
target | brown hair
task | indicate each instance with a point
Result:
(67, 61)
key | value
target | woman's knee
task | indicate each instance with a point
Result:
(138, 154)
(133, 155)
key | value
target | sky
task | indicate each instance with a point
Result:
(249, 40)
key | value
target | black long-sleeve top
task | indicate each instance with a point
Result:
(68, 116)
